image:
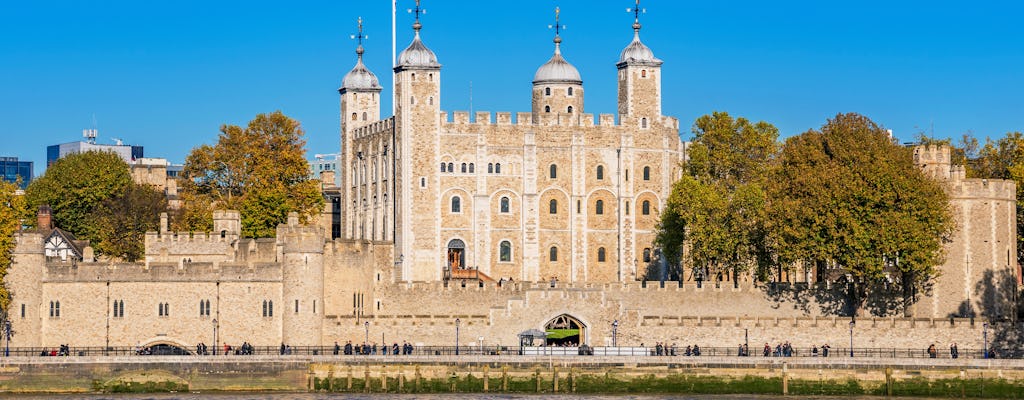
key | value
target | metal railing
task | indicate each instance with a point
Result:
(636, 351)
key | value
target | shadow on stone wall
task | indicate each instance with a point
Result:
(999, 304)
(883, 299)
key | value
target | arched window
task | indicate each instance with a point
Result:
(627, 207)
(553, 207)
(643, 73)
(443, 169)
(600, 254)
(270, 308)
(547, 91)
(505, 251)
(647, 255)
(364, 116)
(553, 254)
(504, 205)
(413, 76)
(264, 308)
(570, 92)
(645, 208)
(471, 168)
(354, 116)
(647, 173)
(553, 171)
(497, 168)
(547, 109)
(643, 123)
(456, 204)
(451, 167)
(490, 168)
(464, 167)
(160, 308)
(430, 77)
(599, 207)
(600, 172)
(412, 100)
(430, 100)
(569, 110)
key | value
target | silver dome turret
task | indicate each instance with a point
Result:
(360, 77)
(557, 69)
(417, 55)
(636, 53)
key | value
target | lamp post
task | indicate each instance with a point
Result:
(984, 334)
(852, 323)
(457, 321)
(214, 336)
(615, 333)
(7, 338)
(746, 343)
(367, 325)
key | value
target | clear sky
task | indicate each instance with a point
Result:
(167, 74)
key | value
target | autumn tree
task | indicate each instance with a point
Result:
(259, 170)
(75, 184)
(119, 223)
(13, 214)
(718, 206)
(848, 197)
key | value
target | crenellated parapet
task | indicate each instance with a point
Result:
(300, 238)
(460, 120)
(384, 126)
(990, 189)
(162, 272)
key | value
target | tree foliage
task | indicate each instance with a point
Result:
(75, 184)
(259, 170)
(718, 206)
(848, 196)
(13, 214)
(120, 222)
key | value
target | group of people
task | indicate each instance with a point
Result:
(954, 351)
(368, 349)
(64, 350)
(201, 349)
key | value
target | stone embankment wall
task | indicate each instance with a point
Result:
(420, 374)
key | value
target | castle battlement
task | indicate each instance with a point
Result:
(187, 237)
(162, 272)
(374, 128)
(462, 120)
(993, 189)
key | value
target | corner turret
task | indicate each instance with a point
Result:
(639, 80)
(557, 86)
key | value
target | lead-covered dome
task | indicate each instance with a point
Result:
(360, 77)
(417, 54)
(636, 52)
(557, 69)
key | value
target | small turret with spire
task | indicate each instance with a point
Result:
(557, 86)
(639, 79)
(417, 55)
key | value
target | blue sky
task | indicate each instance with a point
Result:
(167, 74)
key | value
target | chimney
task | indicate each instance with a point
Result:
(163, 223)
(45, 217)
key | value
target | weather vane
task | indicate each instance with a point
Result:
(636, 14)
(417, 11)
(360, 36)
(557, 26)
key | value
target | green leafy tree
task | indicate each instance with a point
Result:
(847, 196)
(13, 214)
(259, 170)
(119, 223)
(718, 207)
(75, 184)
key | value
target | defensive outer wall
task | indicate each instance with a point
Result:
(571, 374)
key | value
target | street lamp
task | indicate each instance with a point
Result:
(852, 323)
(7, 337)
(367, 325)
(984, 333)
(457, 321)
(746, 343)
(214, 336)
(615, 333)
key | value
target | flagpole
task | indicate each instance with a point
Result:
(394, 61)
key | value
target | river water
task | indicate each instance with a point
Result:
(320, 396)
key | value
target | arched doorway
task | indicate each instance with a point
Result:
(565, 330)
(456, 254)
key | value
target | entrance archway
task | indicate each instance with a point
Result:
(565, 330)
(456, 254)
(164, 347)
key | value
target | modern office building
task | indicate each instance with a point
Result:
(127, 152)
(14, 171)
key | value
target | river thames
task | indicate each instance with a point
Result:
(322, 396)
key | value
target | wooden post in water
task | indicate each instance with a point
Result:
(554, 379)
(366, 381)
(572, 380)
(401, 381)
(785, 379)
(487, 380)
(536, 375)
(383, 378)
(418, 378)
(349, 385)
(504, 378)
